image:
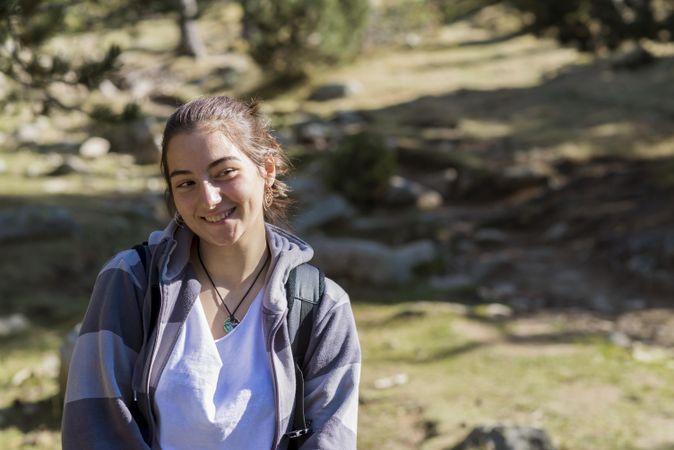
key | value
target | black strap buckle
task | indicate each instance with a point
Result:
(297, 433)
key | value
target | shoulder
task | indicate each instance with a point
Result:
(334, 294)
(124, 265)
(335, 304)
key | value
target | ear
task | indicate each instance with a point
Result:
(269, 171)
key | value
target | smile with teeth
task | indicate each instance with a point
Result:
(219, 217)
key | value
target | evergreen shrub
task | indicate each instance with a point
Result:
(288, 38)
(593, 25)
(360, 168)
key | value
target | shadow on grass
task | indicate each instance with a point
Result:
(48, 276)
(31, 416)
(269, 89)
(608, 112)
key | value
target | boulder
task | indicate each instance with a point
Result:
(453, 283)
(108, 89)
(369, 261)
(404, 192)
(324, 211)
(35, 222)
(94, 147)
(13, 324)
(333, 91)
(70, 164)
(491, 236)
(307, 189)
(135, 138)
(28, 133)
(314, 133)
(632, 57)
(503, 437)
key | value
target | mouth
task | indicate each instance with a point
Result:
(215, 218)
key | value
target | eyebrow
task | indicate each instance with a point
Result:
(210, 166)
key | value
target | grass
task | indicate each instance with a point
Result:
(587, 393)
(460, 370)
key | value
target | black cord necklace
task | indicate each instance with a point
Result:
(231, 322)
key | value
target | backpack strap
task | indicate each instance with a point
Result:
(304, 290)
(143, 251)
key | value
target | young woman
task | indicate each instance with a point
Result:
(211, 365)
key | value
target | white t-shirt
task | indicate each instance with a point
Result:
(217, 393)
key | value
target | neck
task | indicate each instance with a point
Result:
(229, 266)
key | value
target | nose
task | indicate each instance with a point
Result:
(212, 195)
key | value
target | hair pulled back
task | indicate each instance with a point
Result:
(243, 125)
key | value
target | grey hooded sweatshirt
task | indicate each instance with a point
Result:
(125, 341)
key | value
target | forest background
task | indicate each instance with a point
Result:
(491, 180)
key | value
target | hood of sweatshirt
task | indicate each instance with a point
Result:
(287, 251)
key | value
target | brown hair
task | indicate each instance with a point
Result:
(242, 124)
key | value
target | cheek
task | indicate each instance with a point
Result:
(182, 202)
(247, 191)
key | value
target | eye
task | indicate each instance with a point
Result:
(183, 184)
(226, 173)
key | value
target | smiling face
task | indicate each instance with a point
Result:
(216, 188)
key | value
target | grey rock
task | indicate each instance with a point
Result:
(135, 138)
(502, 437)
(44, 165)
(334, 91)
(314, 133)
(556, 232)
(94, 147)
(71, 164)
(491, 236)
(28, 133)
(13, 324)
(620, 339)
(634, 304)
(35, 222)
(324, 211)
(141, 88)
(491, 266)
(602, 303)
(404, 192)
(501, 292)
(526, 304)
(632, 57)
(49, 367)
(412, 40)
(441, 181)
(369, 261)
(284, 138)
(21, 376)
(108, 89)
(349, 118)
(392, 381)
(455, 282)
(307, 189)
(497, 311)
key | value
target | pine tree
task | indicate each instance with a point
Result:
(288, 38)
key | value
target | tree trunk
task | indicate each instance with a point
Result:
(190, 42)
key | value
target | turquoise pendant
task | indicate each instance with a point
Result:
(230, 324)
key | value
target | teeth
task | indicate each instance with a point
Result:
(219, 217)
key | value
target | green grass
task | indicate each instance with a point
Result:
(587, 393)
(461, 371)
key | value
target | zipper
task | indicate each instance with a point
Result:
(149, 370)
(275, 380)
